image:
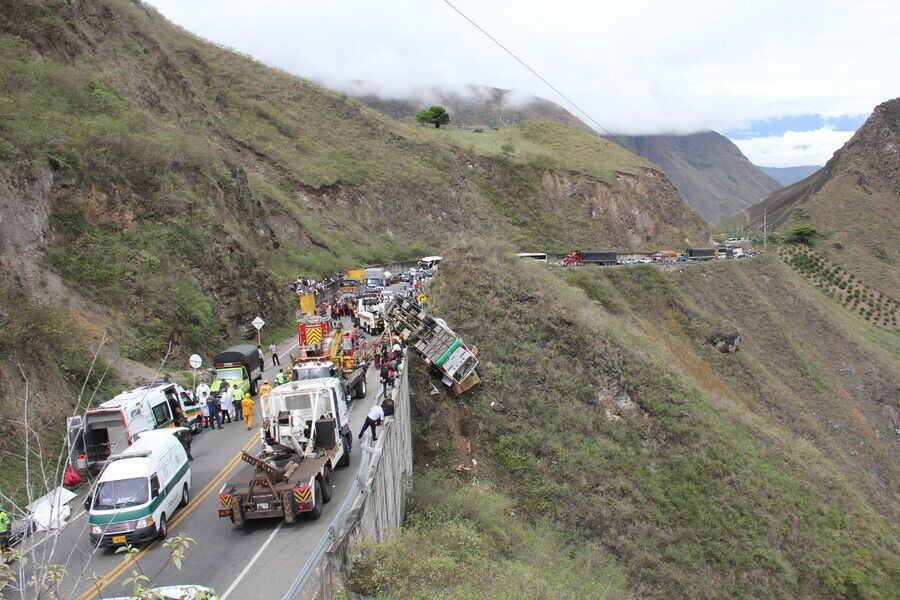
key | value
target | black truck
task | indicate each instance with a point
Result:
(598, 257)
(701, 253)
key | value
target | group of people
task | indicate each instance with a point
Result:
(231, 405)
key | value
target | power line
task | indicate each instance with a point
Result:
(533, 72)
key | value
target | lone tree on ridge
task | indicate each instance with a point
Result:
(436, 115)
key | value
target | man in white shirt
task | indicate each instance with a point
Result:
(202, 392)
(375, 416)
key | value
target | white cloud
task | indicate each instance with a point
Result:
(641, 66)
(793, 148)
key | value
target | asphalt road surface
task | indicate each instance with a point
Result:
(260, 561)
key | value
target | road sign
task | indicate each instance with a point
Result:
(258, 323)
(195, 361)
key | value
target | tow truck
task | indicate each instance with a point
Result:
(304, 436)
(442, 348)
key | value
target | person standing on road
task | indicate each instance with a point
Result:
(204, 413)
(273, 350)
(264, 390)
(385, 376)
(375, 416)
(202, 392)
(215, 418)
(279, 378)
(247, 406)
(225, 407)
(262, 357)
(5, 522)
(236, 399)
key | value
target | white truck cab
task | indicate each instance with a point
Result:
(294, 415)
(139, 490)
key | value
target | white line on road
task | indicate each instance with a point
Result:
(252, 561)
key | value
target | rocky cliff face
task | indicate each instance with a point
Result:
(853, 201)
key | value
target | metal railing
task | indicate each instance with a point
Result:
(353, 494)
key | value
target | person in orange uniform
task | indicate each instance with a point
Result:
(247, 407)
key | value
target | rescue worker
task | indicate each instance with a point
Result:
(375, 416)
(247, 406)
(279, 378)
(236, 397)
(225, 407)
(202, 392)
(5, 522)
(204, 413)
(385, 376)
(264, 390)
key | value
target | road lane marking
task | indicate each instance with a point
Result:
(107, 580)
(252, 561)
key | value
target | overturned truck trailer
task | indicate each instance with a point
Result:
(441, 347)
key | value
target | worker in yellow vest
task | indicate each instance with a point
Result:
(247, 406)
(4, 529)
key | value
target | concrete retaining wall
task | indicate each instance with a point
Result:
(377, 514)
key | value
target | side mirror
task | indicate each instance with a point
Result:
(154, 487)
(88, 500)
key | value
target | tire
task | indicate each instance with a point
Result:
(361, 388)
(347, 443)
(162, 528)
(316, 512)
(327, 485)
(185, 496)
(253, 388)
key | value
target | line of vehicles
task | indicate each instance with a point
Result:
(609, 258)
(142, 471)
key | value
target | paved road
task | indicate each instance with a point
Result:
(260, 561)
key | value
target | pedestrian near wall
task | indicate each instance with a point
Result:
(375, 416)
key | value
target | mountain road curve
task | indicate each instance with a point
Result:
(260, 561)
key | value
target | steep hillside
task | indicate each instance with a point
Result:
(470, 106)
(854, 202)
(709, 171)
(159, 190)
(664, 418)
(789, 175)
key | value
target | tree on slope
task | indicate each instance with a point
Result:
(436, 115)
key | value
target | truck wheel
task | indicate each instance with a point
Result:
(253, 388)
(327, 485)
(162, 528)
(361, 387)
(345, 458)
(316, 512)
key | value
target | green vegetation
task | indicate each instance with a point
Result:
(637, 432)
(436, 115)
(466, 541)
(802, 234)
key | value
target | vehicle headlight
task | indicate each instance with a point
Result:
(144, 522)
(96, 529)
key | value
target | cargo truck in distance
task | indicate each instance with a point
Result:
(305, 435)
(590, 257)
(699, 254)
(442, 348)
(239, 365)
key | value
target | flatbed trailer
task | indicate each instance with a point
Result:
(289, 492)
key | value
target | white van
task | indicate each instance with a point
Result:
(111, 427)
(139, 490)
(429, 262)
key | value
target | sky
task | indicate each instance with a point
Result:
(787, 81)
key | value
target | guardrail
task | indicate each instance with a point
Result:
(314, 579)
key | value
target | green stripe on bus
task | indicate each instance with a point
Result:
(137, 513)
(449, 351)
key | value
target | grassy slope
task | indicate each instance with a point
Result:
(710, 172)
(178, 161)
(852, 202)
(688, 490)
